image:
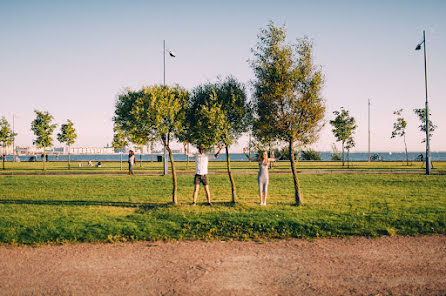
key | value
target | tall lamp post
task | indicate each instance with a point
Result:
(368, 113)
(165, 166)
(428, 152)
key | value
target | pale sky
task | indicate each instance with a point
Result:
(72, 58)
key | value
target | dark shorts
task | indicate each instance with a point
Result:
(203, 179)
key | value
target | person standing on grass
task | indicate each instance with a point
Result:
(201, 172)
(262, 176)
(131, 161)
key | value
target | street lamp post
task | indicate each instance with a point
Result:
(368, 113)
(428, 152)
(165, 166)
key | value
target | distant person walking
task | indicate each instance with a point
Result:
(131, 161)
(201, 172)
(263, 175)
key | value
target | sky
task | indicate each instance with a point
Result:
(72, 59)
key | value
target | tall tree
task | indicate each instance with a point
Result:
(287, 93)
(344, 127)
(421, 113)
(399, 130)
(67, 135)
(227, 99)
(155, 112)
(43, 130)
(119, 140)
(6, 137)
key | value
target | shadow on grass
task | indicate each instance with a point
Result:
(142, 205)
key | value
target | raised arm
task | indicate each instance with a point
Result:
(185, 150)
(249, 157)
(218, 152)
(277, 158)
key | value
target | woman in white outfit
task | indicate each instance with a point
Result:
(262, 176)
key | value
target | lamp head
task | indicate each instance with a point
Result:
(171, 53)
(418, 47)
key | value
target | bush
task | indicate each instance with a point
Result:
(310, 154)
(335, 154)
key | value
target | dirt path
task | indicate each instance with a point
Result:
(358, 266)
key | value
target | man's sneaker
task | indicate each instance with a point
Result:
(210, 204)
(193, 204)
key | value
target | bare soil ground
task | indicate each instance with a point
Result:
(350, 266)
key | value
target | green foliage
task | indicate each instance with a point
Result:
(6, 134)
(421, 113)
(231, 94)
(344, 127)
(399, 130)
(119, 138)
(287, 90)
(310, 154)
(153, 113)
(60, 209)
(206, 124)
(288, 105)
(399, 126)
(43, 129)
(67, 133)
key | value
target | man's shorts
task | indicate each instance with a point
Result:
(203, 179)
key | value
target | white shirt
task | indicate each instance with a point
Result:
(201, 164)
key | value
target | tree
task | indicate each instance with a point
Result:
(67, 135)
(399, 130)
(155, 112)
(349, 144)
(205, 119)
(43, 130)
(421, 113)
(119, 140)
(6, 137)
(287, 93)
(344, 127)
(226, 101)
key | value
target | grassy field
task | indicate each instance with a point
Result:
(18, 168)
(59, 209)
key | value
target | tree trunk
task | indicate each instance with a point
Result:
(187, 156)
(3, 157)
(342, 153)
(44, 159)
(297, 194)
(405, 146)
(69, 166)
(140, 158)
(231, 178)
(121, 161)
(174, 176)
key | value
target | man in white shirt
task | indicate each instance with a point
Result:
(201, 172)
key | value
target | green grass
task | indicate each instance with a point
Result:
(18, 168)
(59, 209)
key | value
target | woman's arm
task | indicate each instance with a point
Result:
(248, 156)
(277, 158)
